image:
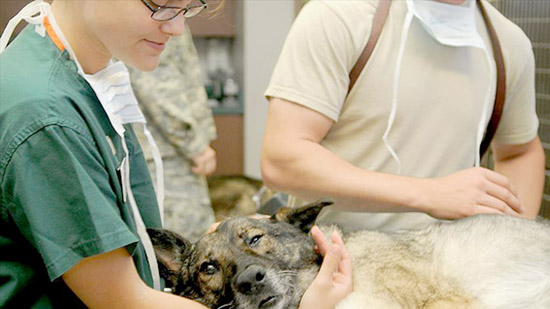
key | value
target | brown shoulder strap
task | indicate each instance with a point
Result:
(377, 24)
(501, 83)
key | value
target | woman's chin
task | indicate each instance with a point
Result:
(145, 65)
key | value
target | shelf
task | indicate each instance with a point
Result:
(229, 144)
(227, 110)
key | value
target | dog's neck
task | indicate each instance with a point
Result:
(304, 279)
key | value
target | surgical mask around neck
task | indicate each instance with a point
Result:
(113, 88)
(450, 25)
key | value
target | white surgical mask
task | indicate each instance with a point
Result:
(114, 91)
(451, 25)
(113, 88)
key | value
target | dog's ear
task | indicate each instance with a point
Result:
(171, 251)
(302, 217)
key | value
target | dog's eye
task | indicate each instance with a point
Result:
(208, 268)
(255, 240)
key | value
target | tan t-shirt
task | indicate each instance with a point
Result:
(439, 103)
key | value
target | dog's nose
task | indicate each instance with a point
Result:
(251, 280)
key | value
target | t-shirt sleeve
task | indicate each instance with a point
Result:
(519, 122)
(318, 54)
(60, 196)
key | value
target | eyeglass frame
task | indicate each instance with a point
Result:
(149, 4)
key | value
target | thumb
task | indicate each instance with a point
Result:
(330, 262)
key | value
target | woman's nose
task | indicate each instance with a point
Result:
(174, 27)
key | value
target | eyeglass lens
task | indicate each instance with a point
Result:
(167, 13)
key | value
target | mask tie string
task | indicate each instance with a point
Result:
(396, 76)
(159, 170)
(33, 13)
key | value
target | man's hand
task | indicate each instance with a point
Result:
(470, 192)
(205, 162)
(334, 280)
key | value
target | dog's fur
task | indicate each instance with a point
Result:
(488, 261)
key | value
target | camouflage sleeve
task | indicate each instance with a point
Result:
(174, 100)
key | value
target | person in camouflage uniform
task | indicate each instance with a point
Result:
(174, 102)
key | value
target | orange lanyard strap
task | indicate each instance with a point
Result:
(53, 36)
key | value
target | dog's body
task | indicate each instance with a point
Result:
(479, 262)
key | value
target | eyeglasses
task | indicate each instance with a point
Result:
(165, 13)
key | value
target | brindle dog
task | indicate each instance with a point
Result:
(480, 262)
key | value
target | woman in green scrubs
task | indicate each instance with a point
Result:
(75, 193)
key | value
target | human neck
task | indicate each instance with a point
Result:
(89, 51)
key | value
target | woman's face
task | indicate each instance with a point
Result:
(125, 30)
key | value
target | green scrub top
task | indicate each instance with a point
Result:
(60, 187)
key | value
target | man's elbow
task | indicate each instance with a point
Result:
(272, 174)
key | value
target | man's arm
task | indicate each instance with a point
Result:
(293, 161)
(110, 280)
(524, 166)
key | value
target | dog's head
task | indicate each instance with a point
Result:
(245, 263)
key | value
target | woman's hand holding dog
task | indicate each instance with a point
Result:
(334, 280)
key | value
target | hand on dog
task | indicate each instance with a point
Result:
(334, 280)
(205, 162)
(470, 192)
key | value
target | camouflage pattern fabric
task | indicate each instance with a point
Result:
(174, 102)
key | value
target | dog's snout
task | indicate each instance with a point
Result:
(250, 280)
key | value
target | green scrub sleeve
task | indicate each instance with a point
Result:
(61, 198)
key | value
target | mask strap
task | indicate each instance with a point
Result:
(159, 170)
(140, 225)
(396, 76)
(33, 13)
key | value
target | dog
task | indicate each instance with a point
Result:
(485, 261)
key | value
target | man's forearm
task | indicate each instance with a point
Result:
(524, 167)
(323, 174)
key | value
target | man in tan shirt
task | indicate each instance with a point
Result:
(399, 150)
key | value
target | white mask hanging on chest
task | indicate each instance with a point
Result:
(113, 88)
(450, 25)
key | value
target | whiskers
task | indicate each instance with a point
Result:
(287, 279)
(288, 273)
(227, 306)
